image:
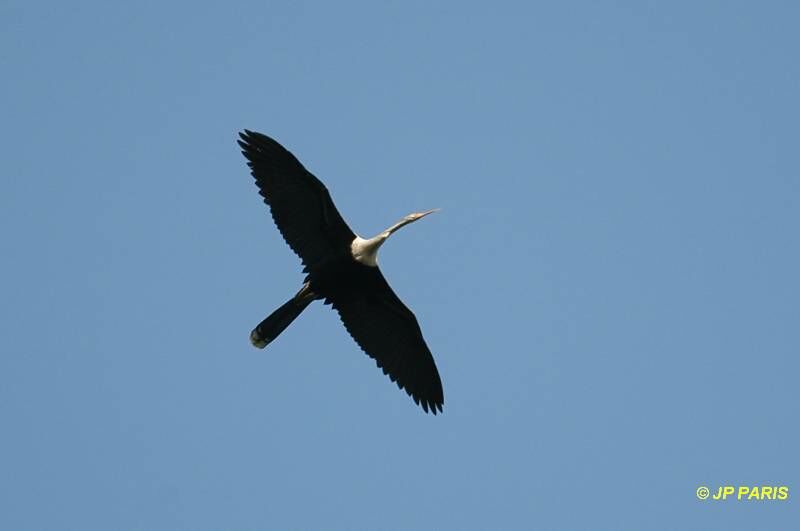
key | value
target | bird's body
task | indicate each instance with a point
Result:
(341, 269)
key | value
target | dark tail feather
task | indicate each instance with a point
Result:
(271, 327)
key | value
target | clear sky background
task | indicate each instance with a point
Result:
(610, 291)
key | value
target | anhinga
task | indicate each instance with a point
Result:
(342, 269)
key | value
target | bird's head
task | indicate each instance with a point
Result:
(414, 216)
(411, 218)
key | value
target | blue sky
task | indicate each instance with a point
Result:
(610, 291)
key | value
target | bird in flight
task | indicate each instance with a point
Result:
(341, 270)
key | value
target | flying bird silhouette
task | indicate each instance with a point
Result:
(342, 270)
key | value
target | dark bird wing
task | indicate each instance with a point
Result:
(388, 332)
(300, 204)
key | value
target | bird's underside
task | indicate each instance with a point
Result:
(341, 270)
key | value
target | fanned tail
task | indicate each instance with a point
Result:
(271, 327)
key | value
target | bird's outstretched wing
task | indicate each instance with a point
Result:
(300, 204)
(388, 332)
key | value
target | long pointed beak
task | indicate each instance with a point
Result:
(423, 214)
(408, 219)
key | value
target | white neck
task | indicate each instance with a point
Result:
(366, 251)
